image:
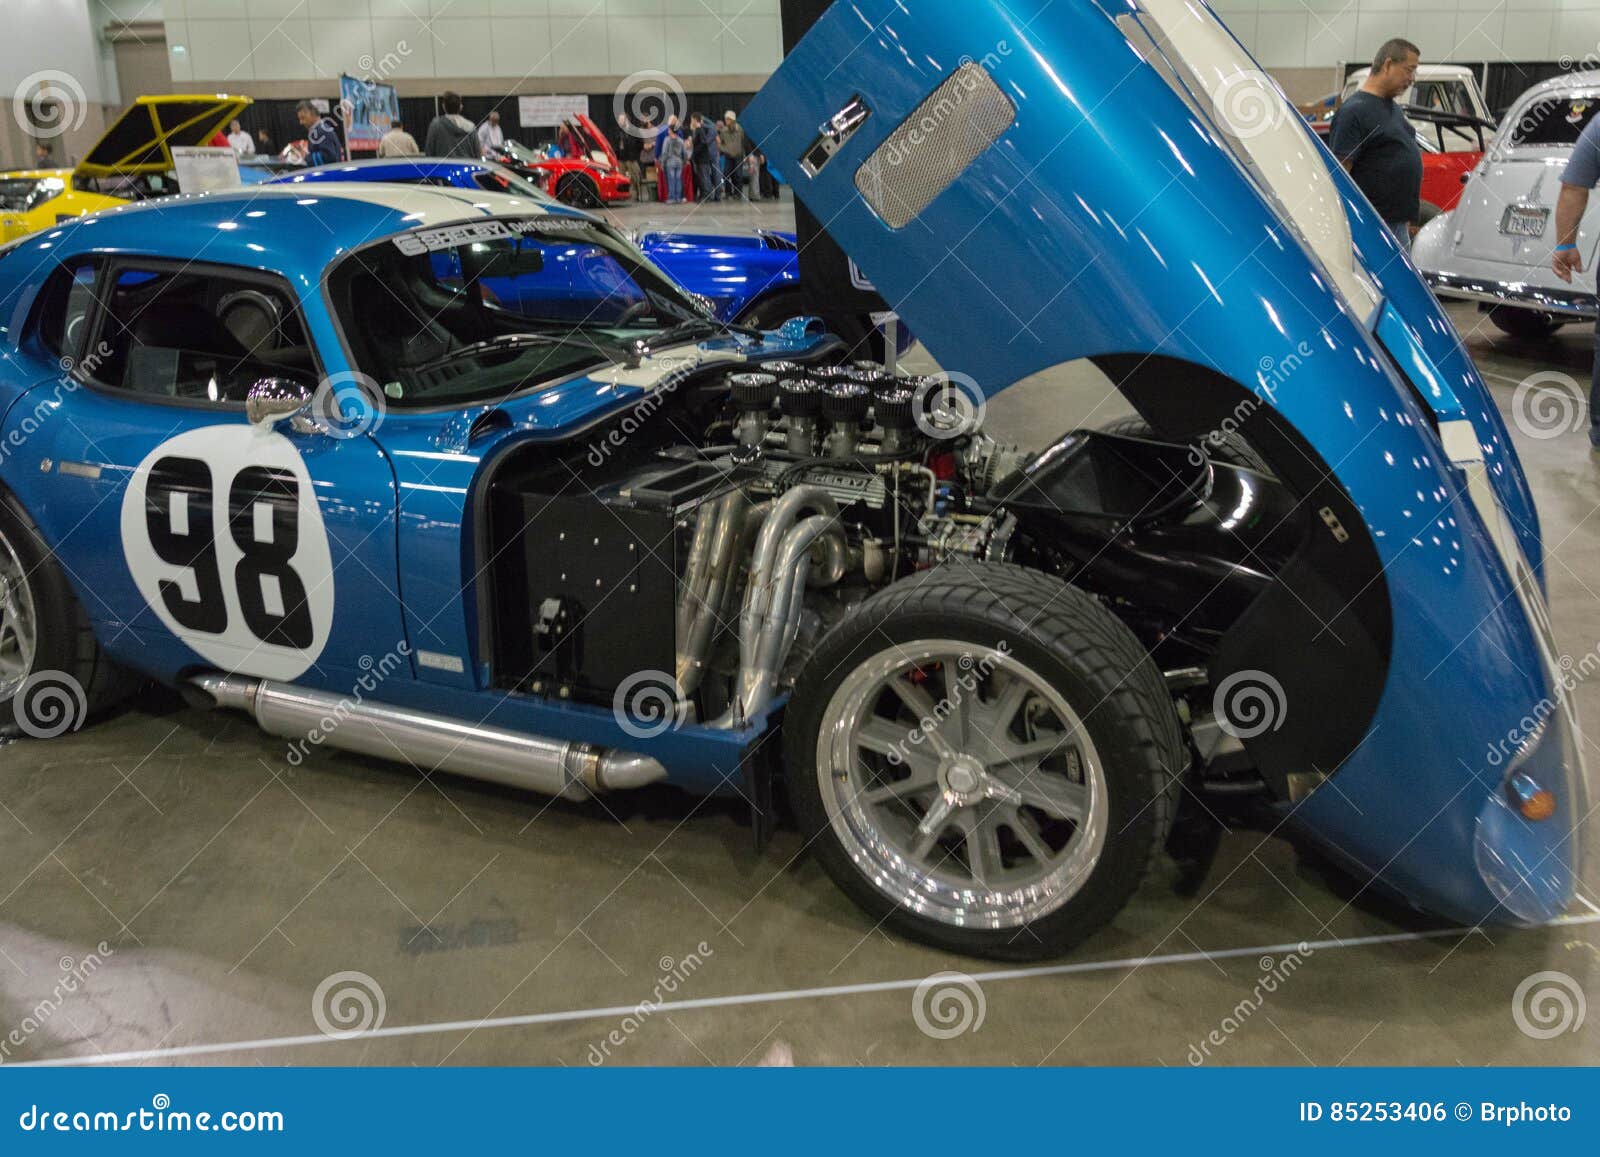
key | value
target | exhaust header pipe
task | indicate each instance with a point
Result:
(574, 771)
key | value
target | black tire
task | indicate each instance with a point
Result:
(1227, 446)
(70, 680)
(579, 192)
(1528, 324)
(1088, 656)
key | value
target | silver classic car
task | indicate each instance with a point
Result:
(1494, 247)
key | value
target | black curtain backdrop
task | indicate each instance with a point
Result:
(278, 116)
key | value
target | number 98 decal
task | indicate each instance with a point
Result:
(223, 536)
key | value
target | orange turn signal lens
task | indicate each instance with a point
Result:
(1531, 801)
(1541, 805)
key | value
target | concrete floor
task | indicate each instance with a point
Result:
(231, 889)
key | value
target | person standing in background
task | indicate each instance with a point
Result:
(397, 142)
(701, 135)
(630, 143)
(1580, 176)
(323, 146)
(647, 160)
(240, 141)
(673, 156)
(263, 142)
(731, 140)
(490, 135)
(450, 134)
(1374, 141)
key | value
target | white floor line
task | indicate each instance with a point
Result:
(538, 1018)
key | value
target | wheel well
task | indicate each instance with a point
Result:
(1323, 631)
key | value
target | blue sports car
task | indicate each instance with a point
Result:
(752, 278)
(461, 479)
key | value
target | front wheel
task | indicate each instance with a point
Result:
(579, 192)
(984, 759)
(1524, 323)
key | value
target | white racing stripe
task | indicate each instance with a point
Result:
(753, 998)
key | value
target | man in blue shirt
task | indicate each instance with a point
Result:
(1373, 140)
(1581, 174)
(323, 146)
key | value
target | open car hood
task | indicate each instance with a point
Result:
(141, 140)
(1031, 183)
(592, 139)
(1038, 182)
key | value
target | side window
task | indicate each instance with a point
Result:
(64, 311)
(194, 333)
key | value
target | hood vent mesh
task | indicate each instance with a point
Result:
(935, 145)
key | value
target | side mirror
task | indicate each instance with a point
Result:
(271, 400)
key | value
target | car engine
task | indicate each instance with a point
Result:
(711, 536)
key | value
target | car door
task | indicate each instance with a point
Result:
(196, 539)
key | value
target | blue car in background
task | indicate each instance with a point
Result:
(751, 279)
(460, 479)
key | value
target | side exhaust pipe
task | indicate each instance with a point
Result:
(573, 771)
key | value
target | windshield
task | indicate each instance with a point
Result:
(494, 179)
(480, 311)
(19, 194)
(1554, 122)
(518, 151)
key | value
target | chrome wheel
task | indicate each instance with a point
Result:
(962, 784)
(19, 627)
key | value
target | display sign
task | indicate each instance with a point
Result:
(369, 110)
(204, 169)
(548, 112)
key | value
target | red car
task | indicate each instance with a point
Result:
(587, 172)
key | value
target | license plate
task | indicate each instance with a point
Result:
(1523, 222)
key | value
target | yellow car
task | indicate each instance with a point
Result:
(131, 161)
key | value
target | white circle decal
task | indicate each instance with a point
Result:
(223, 536)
